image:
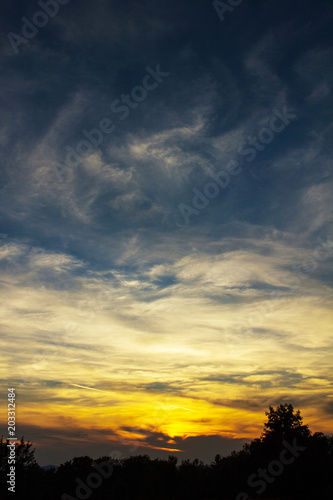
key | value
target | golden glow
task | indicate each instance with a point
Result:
(105, 362)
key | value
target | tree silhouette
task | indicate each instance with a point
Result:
(284, 423)
(305, 475)
(27, 472)
(25, 455)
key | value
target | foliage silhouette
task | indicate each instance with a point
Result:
(306, 477)
(284, 423)
(28, 473)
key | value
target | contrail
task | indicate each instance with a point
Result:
(85, 387)
(180, 407)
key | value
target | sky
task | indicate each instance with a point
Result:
(166, 222)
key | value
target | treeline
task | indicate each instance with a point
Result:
(286, 462)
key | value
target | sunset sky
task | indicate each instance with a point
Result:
(166, 282)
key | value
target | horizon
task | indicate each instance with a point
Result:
(223, 449)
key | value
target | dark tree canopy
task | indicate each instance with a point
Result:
(25, 454)
(284, 423)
